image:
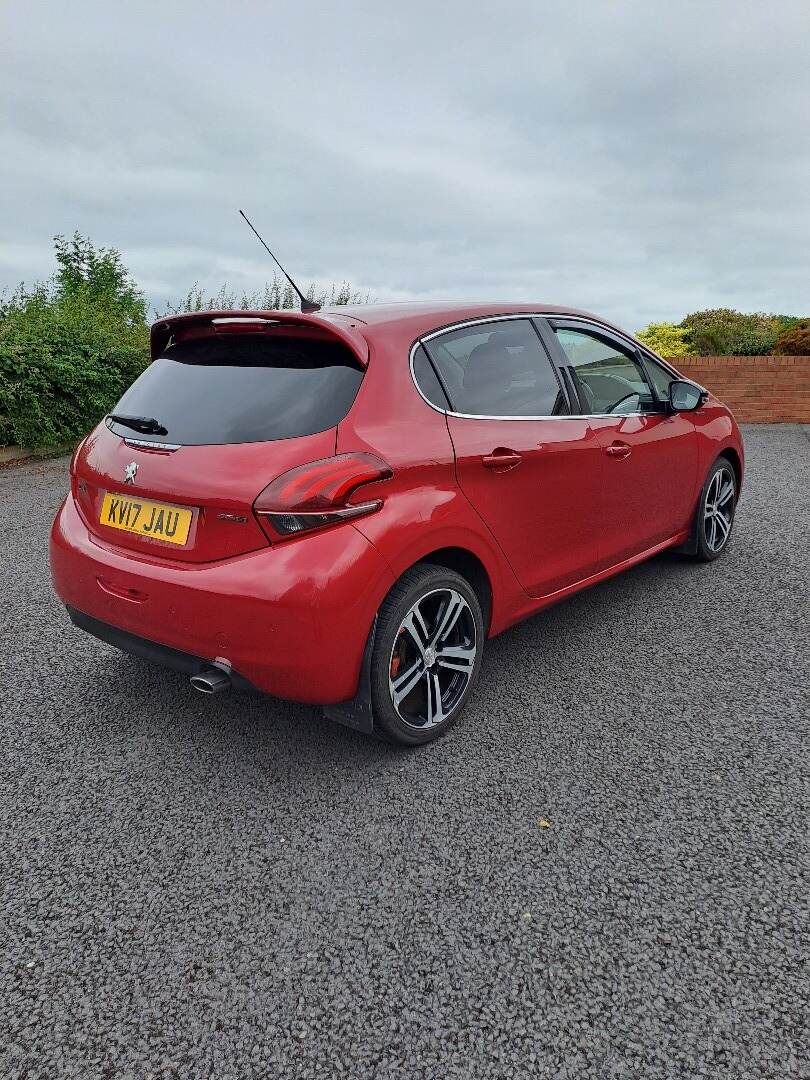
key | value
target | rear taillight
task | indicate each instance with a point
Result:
(317, 494)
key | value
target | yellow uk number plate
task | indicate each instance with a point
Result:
(155, 520)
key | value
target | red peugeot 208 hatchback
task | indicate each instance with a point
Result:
(340, 507)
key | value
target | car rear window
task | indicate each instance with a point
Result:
(241, 389)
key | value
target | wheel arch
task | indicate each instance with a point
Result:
(471, 568)
(733, 458)
(729, 454)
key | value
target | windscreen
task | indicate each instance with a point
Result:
(239, 389)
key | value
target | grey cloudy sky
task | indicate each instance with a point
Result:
(636, 157)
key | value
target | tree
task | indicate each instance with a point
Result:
(96, 276)
(794, 340)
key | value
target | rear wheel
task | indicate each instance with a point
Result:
(715, 513)
(427, 654)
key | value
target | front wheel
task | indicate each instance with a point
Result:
(427, 654)
(715, 513)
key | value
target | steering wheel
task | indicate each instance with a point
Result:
(626, 397)
(604, 385)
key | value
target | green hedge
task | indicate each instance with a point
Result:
(719, 332)
(725, 332)
(69, 348)
(63, 364)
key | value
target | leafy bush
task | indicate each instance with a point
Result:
(795, 339)
(666, 339)
(723, 331)
(69, 348)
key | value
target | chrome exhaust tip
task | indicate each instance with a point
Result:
(211, 681)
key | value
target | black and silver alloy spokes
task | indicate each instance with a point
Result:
(433, 658)
(718, 512)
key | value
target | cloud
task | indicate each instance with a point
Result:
(637, 159)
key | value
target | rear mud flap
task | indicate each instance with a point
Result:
(357, 712)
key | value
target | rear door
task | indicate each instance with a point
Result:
(650, 456)
(202, 432)
(529, 468)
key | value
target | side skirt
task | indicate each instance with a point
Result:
(536, 604)
(617, 568)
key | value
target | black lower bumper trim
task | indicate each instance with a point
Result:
(186, 663)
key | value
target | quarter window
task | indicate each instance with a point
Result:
(496, 369)
(427, 381)
(659, 377)
(610, 379)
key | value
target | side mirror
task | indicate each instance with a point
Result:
(685, 396)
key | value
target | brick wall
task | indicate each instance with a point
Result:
(757, 389)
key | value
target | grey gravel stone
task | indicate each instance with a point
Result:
(233, 887)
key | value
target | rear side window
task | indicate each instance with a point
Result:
(427, 381)
(497, 369)
(243, 388)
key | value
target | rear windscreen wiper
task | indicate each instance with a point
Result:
(146, 425)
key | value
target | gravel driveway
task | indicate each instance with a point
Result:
(233, 887)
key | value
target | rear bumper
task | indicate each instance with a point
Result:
(149, 650)
(292, 619)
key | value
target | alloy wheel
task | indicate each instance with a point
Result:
(432, 659)
(718, 510)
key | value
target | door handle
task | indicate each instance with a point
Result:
(618, 450)
(501, 459)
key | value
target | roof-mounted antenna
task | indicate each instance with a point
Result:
(307, 306)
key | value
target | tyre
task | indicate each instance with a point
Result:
(427, 655)
(715, 512)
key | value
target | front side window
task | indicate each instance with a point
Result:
(610, 379)
(497, 369)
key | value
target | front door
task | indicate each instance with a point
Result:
(649, 481)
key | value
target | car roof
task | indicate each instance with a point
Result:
(441, 313)
(417, 317)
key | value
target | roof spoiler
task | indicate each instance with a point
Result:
(257, 321)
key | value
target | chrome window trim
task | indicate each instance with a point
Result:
(144, 445)
(225, 320)
(503, 318)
